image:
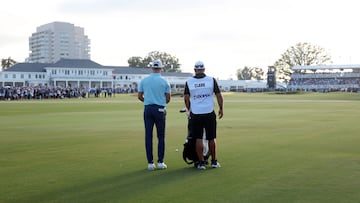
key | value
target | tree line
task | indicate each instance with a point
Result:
(299, 54)
(171, 63)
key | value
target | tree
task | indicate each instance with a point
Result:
(250, 73)
(171, 63)
(302, 54)
(243, 74)
(136, 62)
(7, 63)
(258, 73)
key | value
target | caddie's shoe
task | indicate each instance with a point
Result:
(151, 167)
(215, 164)
(162, 165)
(206, 162)
(201, 166)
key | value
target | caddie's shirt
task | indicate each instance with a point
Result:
(201, 89)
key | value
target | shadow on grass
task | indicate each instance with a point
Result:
(127, 187)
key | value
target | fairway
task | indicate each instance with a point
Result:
(272, 148)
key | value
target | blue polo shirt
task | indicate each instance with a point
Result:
(154, 88)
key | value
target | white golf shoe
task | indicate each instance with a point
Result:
(162, 165)
(215, 164)
(151, 167)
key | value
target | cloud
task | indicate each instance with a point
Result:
(98, 7)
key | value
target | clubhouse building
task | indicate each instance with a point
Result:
(87, 74)
(81, 73)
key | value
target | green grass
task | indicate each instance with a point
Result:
(272, 148)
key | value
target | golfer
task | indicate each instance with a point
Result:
(198, 98)
(154, 91)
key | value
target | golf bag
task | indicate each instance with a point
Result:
(189, 152)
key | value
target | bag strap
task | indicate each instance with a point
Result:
(185, 159)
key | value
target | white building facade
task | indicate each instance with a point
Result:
(84, 73)
(81, 73)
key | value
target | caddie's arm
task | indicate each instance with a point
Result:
(187, 97)
(219, 98)
(220, 102)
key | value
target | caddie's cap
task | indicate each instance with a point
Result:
(199, 65)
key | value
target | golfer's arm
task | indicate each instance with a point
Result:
(168, 97)
(141, 96)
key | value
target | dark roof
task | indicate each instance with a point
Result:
(129, 70)
(66, 63)
(86, 63)
(177, 74)
(28, 67)
(76, 63)
(327, 67)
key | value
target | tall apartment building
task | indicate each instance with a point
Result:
(57, 40)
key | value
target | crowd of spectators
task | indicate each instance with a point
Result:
(333, 84)
(324, 81)
(51, 92)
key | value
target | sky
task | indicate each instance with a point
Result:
(226, 35)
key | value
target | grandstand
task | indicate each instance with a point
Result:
(326, 78)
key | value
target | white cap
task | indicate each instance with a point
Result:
(157, 64)
(199, 65)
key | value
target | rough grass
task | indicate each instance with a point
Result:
(273, 148)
